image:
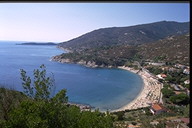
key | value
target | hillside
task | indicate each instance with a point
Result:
(173, 48)
(132, 35)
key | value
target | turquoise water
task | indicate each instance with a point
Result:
(99, 87)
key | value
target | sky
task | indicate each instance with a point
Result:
(58, 22)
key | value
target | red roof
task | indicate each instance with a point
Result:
(157, 107)
(185, 120)
(163, 75)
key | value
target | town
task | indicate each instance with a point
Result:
(173, 110)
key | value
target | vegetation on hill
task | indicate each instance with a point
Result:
(102, 56)
(132, 35)
(172, 49)
(9, 99)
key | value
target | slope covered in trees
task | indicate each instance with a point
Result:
(132, 35)
(171, 49)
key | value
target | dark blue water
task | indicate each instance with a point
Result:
(100, 87)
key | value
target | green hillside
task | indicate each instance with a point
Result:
(132, 35)
(174, 48)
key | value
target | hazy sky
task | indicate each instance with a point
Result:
(59, 22)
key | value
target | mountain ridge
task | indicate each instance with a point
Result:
(130, 35)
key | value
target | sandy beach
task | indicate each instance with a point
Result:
(151, 92)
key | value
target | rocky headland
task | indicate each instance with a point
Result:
(91, 64)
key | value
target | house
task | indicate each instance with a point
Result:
(178, 92)
(176, 87)
(180, 66)
(172, 69)
(161, 76)
(187, 81)
(185, 120)
(165, 68)
(157, 108)
(188, 92)
(156, 64)
(154, 123)
(186, 71)
(181, 87)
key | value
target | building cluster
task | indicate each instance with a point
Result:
(179, 68)
(171, 123)
(157, 108)
(186, 69)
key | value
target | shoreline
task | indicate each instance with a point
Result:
(64, 49)
(149, 94)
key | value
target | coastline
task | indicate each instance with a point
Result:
(64, 49)
(149, 94)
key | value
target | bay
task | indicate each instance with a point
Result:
(103, 88)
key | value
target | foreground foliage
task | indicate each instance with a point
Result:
(9, 99)
(42, 114)
(40, 110)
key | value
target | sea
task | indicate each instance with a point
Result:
(102, 88)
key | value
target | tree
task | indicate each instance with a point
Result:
(9, 99)
(146, 123)
(187, 86)
(170, 79)
(41, 87)
(180, 99)
(187, 110)
(40, 114)
(95, 119)
(34, 114)
(167, 92)
(120, 115)
(61, 97)
(161, 124)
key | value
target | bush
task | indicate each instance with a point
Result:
(180, 99)
(120, 115)
(134, 123)
(34, 114)
(167, 92)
